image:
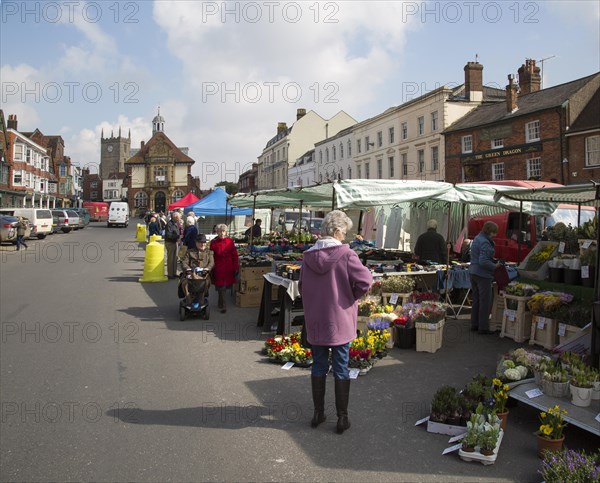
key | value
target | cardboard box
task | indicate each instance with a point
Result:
(253, 273)
(429, 336)
(441, 428)
(247, 300)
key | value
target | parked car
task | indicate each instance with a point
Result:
(60, 221)
(84, 215)
(74, 221)
(8, 228)
(41, 219)
(308, 224)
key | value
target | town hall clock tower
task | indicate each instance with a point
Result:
(114, 151)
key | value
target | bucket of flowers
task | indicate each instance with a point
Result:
(428, 319)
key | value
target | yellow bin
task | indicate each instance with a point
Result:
(156, 238)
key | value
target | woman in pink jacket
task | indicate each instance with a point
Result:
(331, 282)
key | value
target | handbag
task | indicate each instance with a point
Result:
(182, 251)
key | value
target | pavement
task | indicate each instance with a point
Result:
(99, 380)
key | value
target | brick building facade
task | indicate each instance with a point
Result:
(523, 138)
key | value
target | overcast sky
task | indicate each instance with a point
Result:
(225, 73)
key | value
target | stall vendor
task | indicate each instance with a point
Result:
(430, 245)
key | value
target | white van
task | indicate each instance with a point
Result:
(118, 214)
(40, 218)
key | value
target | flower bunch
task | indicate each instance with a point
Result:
(375, 288)
(397, 284)
(365, 309)
(544, 254)
(378, 323)
(509, 371)
(401, 321)
(525, 358)
(360, 358)
(426, 312)
(373, 340)
(548, 303)
(418, 297)
(570, 465)
(384, 309)
(500, 394)
(553, 423)
(521, 289)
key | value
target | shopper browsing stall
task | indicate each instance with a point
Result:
(430, 245)
(481, 270)
(332, 280)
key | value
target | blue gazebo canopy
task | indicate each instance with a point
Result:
(216, 204)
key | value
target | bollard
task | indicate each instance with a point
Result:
(140, 234)
(154, 263)
(156, 238)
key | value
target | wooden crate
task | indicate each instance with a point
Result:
(402, 298)
(566, 331)
(248, 300)
(516, 323)
(497, 309)
(543, 332)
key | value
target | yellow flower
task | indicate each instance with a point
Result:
(296, 346)
(505, 387)
(496, 382)
(547, 430)
(543, 415)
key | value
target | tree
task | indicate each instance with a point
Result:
(230, 188)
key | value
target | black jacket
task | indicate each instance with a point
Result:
(431, 246)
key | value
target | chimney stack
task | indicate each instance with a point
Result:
(282, 126)
(474, 81)
(12, 122)
(300, 113)
(142, 144)
(529, 77)
(511, 94)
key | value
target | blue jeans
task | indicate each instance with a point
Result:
(340, 356)
(21, 241)
(481, 290)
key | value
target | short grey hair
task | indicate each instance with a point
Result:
(335, 220)
(190, 221)
(432, 224)
(221, 226)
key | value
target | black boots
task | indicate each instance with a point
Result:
(318, 394)
(221, 304)
(342, 394)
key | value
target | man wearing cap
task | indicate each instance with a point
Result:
(198, 257)
(431, 246)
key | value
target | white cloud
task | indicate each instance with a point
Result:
(328, 61)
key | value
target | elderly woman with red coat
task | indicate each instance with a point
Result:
(227, 264)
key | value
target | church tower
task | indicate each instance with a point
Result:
(114, 151)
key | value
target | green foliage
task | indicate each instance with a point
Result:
(589, 230)
(229, 187)
(563, 233)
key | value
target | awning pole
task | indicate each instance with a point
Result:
(519, 232)
(253, 220)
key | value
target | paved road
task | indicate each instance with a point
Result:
(100, 381)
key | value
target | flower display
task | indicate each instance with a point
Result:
(548, 303)
(570, 465)
(426, 312)
(553, 423)
(397, 284)
(538, 259)
(287, 349)
(365, 309)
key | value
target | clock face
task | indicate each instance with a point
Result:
(109, 148)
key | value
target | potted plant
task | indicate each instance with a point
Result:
(487, 440)
(405, 333)
(445, 405)
(397, 284)
(516, 290)
(581, 387)
(429, 319)
(500, 395)
(470, 440)
(555, 382)
(550, 434)
(570, 465)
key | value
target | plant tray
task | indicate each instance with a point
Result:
(542, 272)
(477, 456)
(402, 298)
(441, 428)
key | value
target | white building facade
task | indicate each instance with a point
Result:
(290, 144)
(333, 157)
(302, 173)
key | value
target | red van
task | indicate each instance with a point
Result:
(98, 210)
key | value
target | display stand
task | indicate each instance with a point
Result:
(288, 306)
(543, 332)
(516, 322)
